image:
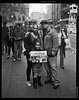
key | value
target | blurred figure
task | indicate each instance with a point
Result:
(28, 48)
(18, 38)
(62, 48)
(5, 36)
(10, 42)
(51, 45)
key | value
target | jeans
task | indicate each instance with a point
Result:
(17, 49)
(28, 70)
(51, 68)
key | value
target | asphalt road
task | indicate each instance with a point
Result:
(14, 80)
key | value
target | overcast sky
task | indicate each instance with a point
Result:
(38, 7)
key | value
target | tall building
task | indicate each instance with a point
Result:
(57, 11)
(54, 12)
(49, 11)
(37, 16)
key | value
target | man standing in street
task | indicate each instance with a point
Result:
(51, 45)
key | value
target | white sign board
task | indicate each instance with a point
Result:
(38, 56)
(68, 43)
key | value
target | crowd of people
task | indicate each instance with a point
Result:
(36, 38)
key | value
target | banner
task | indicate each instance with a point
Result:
(38, 56)
(68, 43)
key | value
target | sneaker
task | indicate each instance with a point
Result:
(28, 83)
(14, 60)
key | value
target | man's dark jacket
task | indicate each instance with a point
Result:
(5, 31)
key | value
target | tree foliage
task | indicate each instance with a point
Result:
(9, 9)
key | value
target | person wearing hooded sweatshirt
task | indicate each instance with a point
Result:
(5, 36)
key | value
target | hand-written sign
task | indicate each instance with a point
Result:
(38, 56)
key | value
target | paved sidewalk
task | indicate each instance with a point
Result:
(14, 80)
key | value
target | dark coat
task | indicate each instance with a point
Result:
(28, 43)
(63, 45)
(5, 31)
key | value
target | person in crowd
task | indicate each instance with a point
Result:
(36, 67)
(51, 45)
(28, 48)
(18, 38)
(65, 30)
(5, 31)
(43, 24)
(62, 48)
(10, 42)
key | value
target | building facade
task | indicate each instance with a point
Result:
(37, 16)
(54, 12)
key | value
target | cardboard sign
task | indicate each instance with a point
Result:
(38, 56)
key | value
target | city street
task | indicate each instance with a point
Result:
(31, 21)
(14, 80)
